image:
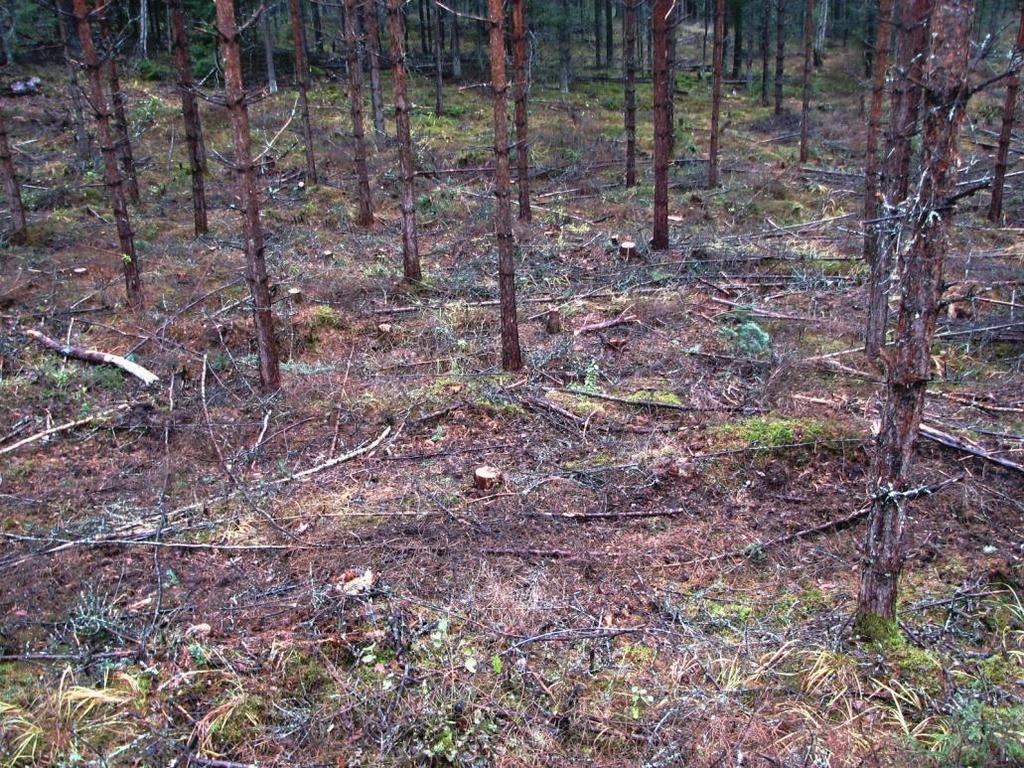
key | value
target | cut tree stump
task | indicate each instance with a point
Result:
(485, 478)
(553, 321)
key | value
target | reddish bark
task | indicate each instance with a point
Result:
(995, 209)
(522, 128)
(872, 186)
(629, 61)
(805, 112)
(511, 355)
(124, 143)
(945, 89)
(718, 64)
(355, 98)
(376, 94)
(19, 230)
(190, 112)
(410, 247)
(302, 81)
(780, 52)
(248, 198)
(661, 127)
(112, 176)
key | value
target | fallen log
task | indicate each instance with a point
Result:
(951, 441)
(146, 376)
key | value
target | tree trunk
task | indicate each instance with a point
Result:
(597, 34)
(872, 187)
(248, 198)
(19, 228)
(376, 93)
(302, 81)
(780, 53)
(906, 97)
(674, 18)
(945, 92)
(564, 49)
(456, 48)
(124, 141)
(737, 38)
(355, 77)
(101, 111)
(438, 64)
(609, 37)
(629, 62)
(511, 355)
(522, 129)
(805, 112)
(318, 29)
(659, 39)
(144, 29)
(83, 141)
(190, 113)
(718, 64)
(421, 8)
(410, 247)
(995, 209)
(819, 35)
(766, 21)
(268, 48)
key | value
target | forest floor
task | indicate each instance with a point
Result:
(658, 581)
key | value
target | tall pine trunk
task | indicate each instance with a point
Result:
(124, 139)
(718, 64)
(248, 198)
(564, 48)
(456, 47)
(519, 27)
(19, 228)
(908, 371)
(629, 62)
(302, 82)
(766, 22)
(410, 246)
(511, 355)
(872, 186)
(190, 113)
(737, 38)
(83, 141)
(376, 93)
(780, 53)
(805, 110)
(995, 208)
(355, 98)
(659, 39)
(438, 63)
(609, 37)
(597, 34)
(268, 48)
(112, 176)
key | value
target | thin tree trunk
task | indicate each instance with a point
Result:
(674, 19)
(124, 142)
(522, 128)
(83, 141)
(355, 76)
(906, 97)
(101, 111)
(766, 21)
(144, 29)
(780, 53)
(421, 8)
(908, 372)
(511, 355)
(597, 34)
(819, 35)
(629, 61)
(248, 198)
(438, 64)
(737, 38)
(718, 64)
(659, 35)
(456, 47)
(190, 113)
(268, 48)
(376, 93)
(318, 29)
(995, 209)
(609, 37)
(302, 81)
(805, 112)
(872, 186)
(410, 246)
(564, 49)
(19, 228)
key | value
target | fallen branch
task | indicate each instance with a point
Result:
(620, 320)
(641, 403)
(146, 376)
(951, 441)
(63, 428)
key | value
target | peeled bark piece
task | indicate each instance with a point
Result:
(511, 354)
(486, 478)
(248, 198)
(190, 113)
(355, 74)
(410, 246)
(112, 176)
(945, 88)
